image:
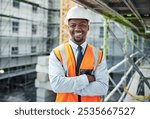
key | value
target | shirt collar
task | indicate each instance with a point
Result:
(75, 46)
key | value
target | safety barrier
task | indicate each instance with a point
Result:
(124, 77)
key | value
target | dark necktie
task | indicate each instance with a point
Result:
(79, 59)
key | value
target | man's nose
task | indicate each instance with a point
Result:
(78, 27)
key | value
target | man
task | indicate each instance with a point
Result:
(77, 70)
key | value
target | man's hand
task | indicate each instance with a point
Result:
(91, 78)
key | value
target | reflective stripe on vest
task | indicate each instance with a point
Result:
(92, 57)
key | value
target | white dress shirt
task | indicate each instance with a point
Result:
(79, 84)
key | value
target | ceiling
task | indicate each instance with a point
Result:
(132, 13)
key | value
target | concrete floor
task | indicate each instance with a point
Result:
(18, 94)
(145, 69)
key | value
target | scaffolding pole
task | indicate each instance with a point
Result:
(105, 44)
(142, 44)
(137, 41)
(126, 40)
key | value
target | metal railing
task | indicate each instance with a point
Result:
(17, 72)
(124, 77)
(128, 59)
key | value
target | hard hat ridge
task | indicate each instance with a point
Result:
(77, 12)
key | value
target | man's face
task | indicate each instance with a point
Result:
(78, 29)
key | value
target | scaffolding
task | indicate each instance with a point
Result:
(24, 35)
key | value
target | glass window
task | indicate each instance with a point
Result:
(14, 50)
(15, 27)
(16, 3)
(33, 49)
(34, 29)
(34, 9)
(101, 31)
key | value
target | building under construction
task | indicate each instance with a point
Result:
(30, 29)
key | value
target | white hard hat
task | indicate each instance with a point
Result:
(77, 12)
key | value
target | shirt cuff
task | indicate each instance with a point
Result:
(82, 81)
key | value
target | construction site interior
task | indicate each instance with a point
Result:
(30, 29)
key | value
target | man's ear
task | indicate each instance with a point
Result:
(88, 27)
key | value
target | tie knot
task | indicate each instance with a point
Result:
(79, 48)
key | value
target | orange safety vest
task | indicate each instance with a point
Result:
(87, 63)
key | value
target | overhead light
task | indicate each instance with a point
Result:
(129, 15)
(147, 29)
(1, 71)
(146, 15)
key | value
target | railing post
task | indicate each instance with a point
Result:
(105, 44)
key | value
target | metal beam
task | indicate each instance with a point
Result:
(134, 10)
(107, 9)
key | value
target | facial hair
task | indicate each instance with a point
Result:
(76, 35)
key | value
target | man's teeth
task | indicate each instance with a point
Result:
(76, 34)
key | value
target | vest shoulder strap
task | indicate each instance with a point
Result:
(98, 54)
(61, 56)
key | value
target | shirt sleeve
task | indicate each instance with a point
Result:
(59, 82)
(100, 86)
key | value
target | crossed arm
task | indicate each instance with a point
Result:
(84, 85)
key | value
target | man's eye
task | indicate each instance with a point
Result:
(73, 25)
(83, 25)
